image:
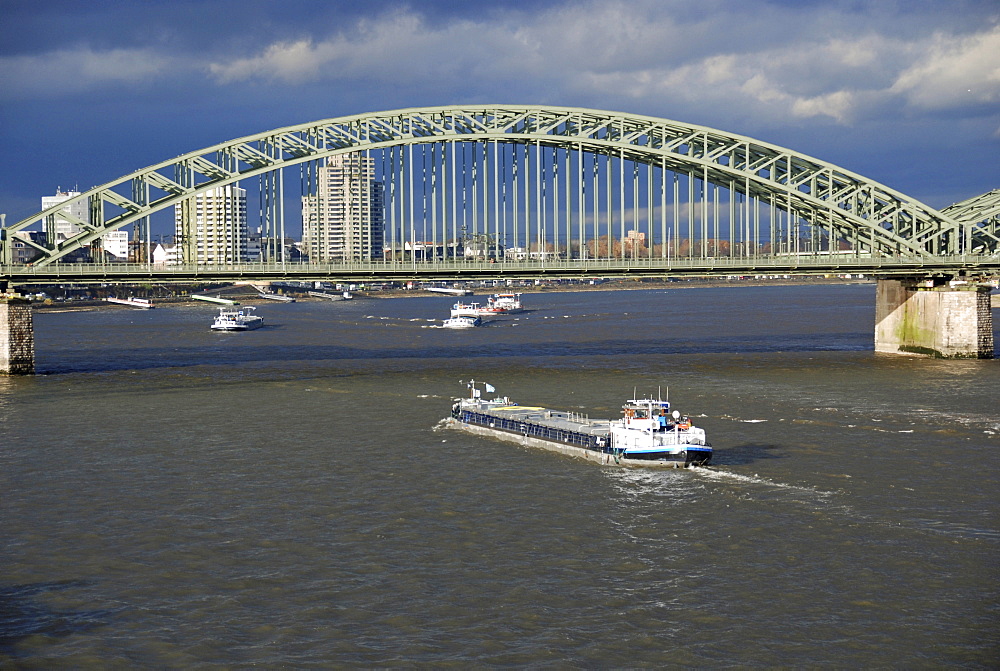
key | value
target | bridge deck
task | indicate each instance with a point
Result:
(476, 270)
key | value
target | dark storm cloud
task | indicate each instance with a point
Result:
(906, 93)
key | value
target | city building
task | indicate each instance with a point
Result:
(344, 220)
(64, 228)
(166, 255)
(424, 251)
(114, 244)
(514, 253)
(635, 237)
(211, 227)
(22, 252)
(255, 246)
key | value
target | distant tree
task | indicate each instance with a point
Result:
(604, 247)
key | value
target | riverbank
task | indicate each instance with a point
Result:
(237, 293)
(628, 285)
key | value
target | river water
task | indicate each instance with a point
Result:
(179, 498)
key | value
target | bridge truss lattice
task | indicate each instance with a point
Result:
(554, 180)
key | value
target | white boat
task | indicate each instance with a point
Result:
(213, 299)
(502, 304)
(648, 430)
(497, 304)
(648, 434)
(276, 297)
(131, 301)
(346, 296)
(237, 320)
(453, 292)
(461, 309)
(462, 322)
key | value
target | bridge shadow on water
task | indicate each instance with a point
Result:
(55, 362)
(24, 614)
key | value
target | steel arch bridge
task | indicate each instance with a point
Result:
(804, 198)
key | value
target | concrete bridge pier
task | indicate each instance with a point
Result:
(17, 337)
(934, 317)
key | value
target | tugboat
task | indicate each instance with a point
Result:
(647, 435)
(237, 320)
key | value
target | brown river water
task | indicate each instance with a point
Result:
(174, 497)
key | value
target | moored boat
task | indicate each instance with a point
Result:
(132, 301)
(237, 320)
(648, 434)
(276, 297)
(345, 296)
(452, 292)
(213, 299)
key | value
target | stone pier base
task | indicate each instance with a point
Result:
(17, 337)
(950, 321)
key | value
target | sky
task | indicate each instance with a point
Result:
(903, 92)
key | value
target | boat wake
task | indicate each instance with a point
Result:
(833, 503)
(441, 425)
(654, 480)
(740, 419)
(729, 476)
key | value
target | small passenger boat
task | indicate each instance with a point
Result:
(237, 320)
(648, 434)
(462, 322)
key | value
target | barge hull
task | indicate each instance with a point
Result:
(604, 458)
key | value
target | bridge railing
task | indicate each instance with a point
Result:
(462, 269)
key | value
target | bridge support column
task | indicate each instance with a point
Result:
(949, 321)
(17, 337)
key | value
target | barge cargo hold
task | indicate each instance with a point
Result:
(647, 435)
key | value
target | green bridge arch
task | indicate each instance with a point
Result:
(883, 221)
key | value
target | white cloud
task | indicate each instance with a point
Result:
(838, 105)
(954, 72)
(288, 61)
(760, 60)
(71, 71)
(842, 79)
(396, 47)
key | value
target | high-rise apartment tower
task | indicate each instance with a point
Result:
(344, 220)
(211, 227)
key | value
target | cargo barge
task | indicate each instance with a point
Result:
(648, 434)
